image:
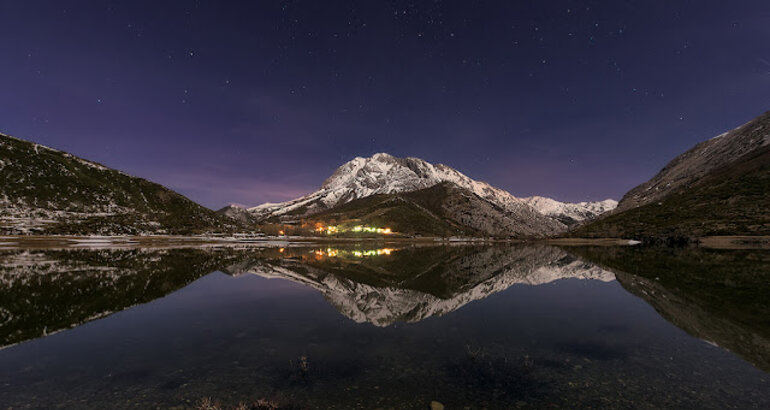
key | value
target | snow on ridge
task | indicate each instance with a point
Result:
(720, 135)
(577, 211)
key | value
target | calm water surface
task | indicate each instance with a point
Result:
(385, 326)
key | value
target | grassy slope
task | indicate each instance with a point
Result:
(733, 200)
(46, 180)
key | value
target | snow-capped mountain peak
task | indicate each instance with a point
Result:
(383, 173)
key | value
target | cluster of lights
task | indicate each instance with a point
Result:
(331, 229)
(371, 229)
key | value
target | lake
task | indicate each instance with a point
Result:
(385, 325)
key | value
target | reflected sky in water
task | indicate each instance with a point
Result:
(499, 327)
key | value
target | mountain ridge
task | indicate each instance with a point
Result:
(385, 174)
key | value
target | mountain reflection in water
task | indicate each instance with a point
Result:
(388, 285)
(533, 325)
(717, 295)
(45, 291)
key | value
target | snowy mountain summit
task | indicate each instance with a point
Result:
(385, 174)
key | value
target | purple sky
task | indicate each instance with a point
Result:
(261, 101)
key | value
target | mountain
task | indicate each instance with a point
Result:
(46, 191)
(719, 187)
(384, 174)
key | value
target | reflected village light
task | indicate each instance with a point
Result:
(331, 252)
(373, 252)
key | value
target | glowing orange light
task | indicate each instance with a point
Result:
(281, 233)
(319, 255)
(281, 250)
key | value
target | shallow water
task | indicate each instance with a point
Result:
(385, 326)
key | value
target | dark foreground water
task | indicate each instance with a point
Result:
(385, 326)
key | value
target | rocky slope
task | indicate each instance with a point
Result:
(687, 169)
(719, 187)
(383, 174)
(46, 191)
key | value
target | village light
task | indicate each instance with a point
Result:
(334, 229)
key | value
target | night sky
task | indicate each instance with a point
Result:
(253, 101)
